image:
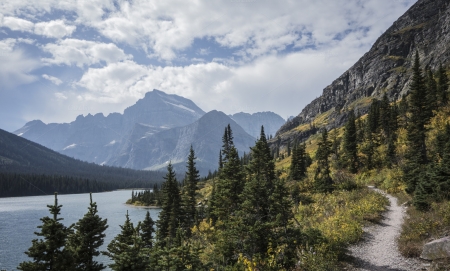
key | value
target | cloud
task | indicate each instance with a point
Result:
(283, 84)
(52, 79)
(17, 24)
(163, 29)
(15, 65)
(83, 53)
(54, 29)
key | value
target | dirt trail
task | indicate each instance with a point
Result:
(378, 250)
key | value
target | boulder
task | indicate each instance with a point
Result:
(436, 249)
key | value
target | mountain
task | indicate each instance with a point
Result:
(22, 156)
(155, 150)
(386, 68)
(252, 122)
(96, 138)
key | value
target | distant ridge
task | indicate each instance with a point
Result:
(19, 155)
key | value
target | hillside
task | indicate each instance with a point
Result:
(21, 156)
(386, 68)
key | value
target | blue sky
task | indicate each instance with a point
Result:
(63, 58)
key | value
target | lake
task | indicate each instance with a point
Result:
(19, 217)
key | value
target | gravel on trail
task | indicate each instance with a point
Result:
(378, 250)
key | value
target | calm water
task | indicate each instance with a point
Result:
(20, 216)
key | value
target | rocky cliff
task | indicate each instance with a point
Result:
(98, 139)
(424, 28)
(155, 150)
(252, 122)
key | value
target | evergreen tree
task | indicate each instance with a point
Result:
(229, 186)
(148, 229)
(189, 192)
(88, 237)
(416, 156)
(298, 162)
(442, 86)
(432, 92)
(169, 217)
(49, 252)
(227, 140)
(439, 172)
(322, 179)
(121, 243)
(350, 144)
(132, 254)
(265, 216)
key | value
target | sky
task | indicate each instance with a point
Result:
(63, 58)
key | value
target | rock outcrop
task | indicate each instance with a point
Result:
(252, 122)
(424, 28)
(436, 249)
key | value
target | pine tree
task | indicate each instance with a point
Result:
(298, 162)
(265, 217)
(170, 216)
(189, 192)
(49, 252)
(416, 156)
(432, 92)
(88, 237)
(350, 144)
(132, 255)
(442, 86)
(148, 229)
(229, 185)
(322, 179)
(121, 243)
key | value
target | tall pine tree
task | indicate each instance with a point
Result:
(350, 144)
(49, 252)
(189, 192)
(322, 180)
(170, 215)
(87, 238)
(419, 111)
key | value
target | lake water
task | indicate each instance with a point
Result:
(20, 216)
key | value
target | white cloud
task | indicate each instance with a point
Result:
(18, 24)
(112, 82)
(60, 96)
(15, 65)
(15, 69)
(283, 84)
(256, 28)
(54, 29)
(52, 79)
(83, 52)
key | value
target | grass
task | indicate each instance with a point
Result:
(398, 70)
(409, 28)
(395, 58)
(363, 102)
(422, 227)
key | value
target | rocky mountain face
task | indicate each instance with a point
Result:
(98, 139)
(252, 122)
(386, 68)
(155, 151)
(157, 129)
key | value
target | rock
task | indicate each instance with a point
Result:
(424, 28)
(436, 249)
(252, 122)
